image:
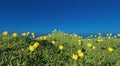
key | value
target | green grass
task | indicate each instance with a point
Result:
(15, 51)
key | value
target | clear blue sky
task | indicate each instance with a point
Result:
(79, 16)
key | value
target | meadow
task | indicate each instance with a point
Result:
(59, 49)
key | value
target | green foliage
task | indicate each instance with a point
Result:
(15, 51)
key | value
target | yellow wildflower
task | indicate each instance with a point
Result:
(15, 35)
(107, 34)
(81, 54)
(75, 35)
(115, 36)
(110, 34)
(53, 42)
(24, 34)
(74, 57)
(36, 45)
(5, 33)
(93, 47)
(99, 40)
(44, 37)
(118, 34)
(31, 48)
(61, 47)
(79, 51)
(109, 37)
(110, 49)
(89, 44)
(88, 39)
(79, 41)
(33, 35)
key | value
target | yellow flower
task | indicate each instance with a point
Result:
(81, 54)
(24, 34)
(74, 57)
(115, 36)
(107, 35)
(118, 34)
(44, 37)
(110, 34)
(79, 51)
(89, 44)
(99, 40)
(61, 47)
(31, 48)
(53, 42)
(33, 35)
(15, 35)
(36, 45)
(5, 33)
(79, 41)
(88, 39)
(75, 35)
(93, 47)
(110, 49)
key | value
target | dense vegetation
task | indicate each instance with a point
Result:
(58, 49)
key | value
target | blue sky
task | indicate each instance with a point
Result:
(79, 16)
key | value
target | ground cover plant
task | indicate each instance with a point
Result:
(59, 49)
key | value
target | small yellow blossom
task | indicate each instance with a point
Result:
(33, 35)
(61, 47)
(107, 34)
(74, 57)
(15, 35)
(44, 37)
(79, 51)
(109, 37)
(89, 44)
(31, 48)
(93, 47)
(53, 42)
(99, 40)
(24, 34)
(118, 34)
(88, 39)
(115, 36)
(5, 33)
(110, 49)
(36, 45)
(79, 41)
(75, 35)
(81, 54)
(110, 34)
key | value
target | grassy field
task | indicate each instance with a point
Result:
(59, 49)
